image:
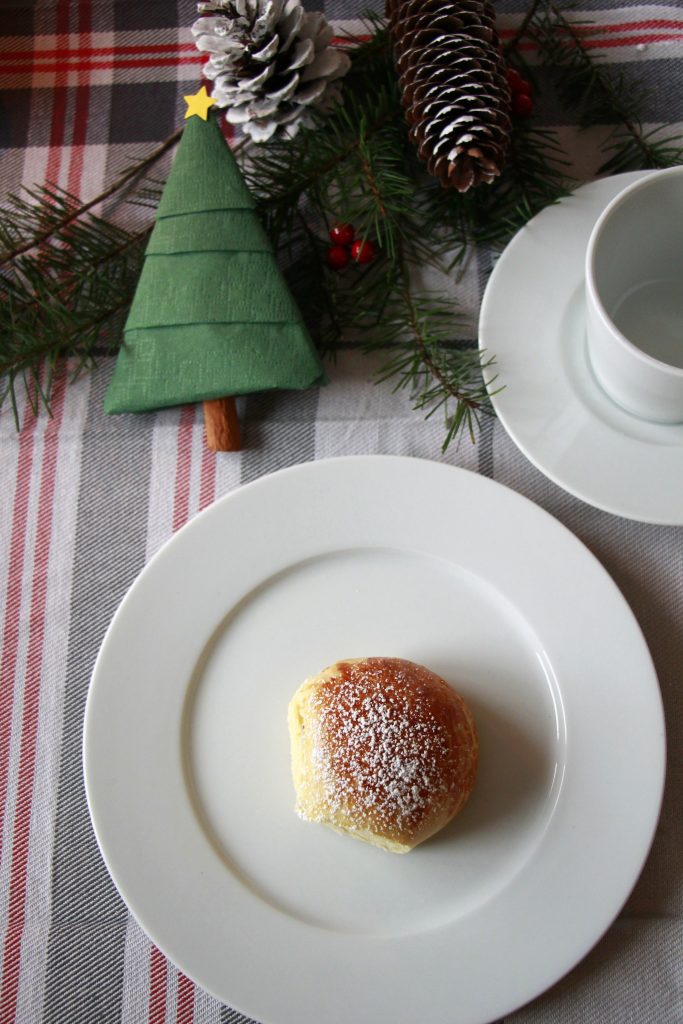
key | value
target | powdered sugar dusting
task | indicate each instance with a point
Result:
(383, 746)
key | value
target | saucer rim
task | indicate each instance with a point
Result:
(670, 511)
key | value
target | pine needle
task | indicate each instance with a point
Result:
(67, 277)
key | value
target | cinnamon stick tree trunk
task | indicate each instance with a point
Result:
(221, 425)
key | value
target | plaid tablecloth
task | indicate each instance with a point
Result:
(85, 500)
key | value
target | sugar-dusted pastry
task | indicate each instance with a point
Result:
(383, 750)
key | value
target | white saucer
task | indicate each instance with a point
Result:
(532, 322)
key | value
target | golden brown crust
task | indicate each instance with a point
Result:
(382, 748)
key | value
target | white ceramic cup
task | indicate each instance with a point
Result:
(634, 297)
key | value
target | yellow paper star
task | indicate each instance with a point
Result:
(199, 104)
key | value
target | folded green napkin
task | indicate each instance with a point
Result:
(212, 315)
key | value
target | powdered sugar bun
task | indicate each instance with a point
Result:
(383, 750)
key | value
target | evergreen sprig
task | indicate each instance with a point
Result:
(441, 373)
(67, 277)
(535, 175)
(600, 93)
(65, 287)
(361, 167)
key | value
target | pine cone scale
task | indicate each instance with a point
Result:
(453, 86)
(270, 61)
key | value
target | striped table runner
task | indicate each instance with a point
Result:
(86, 500)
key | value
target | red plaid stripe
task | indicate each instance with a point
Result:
(159, 967)
(65, 63)
(158, 979)
(59, 102)
(608, 35)
(31, 706)
(74, 52)
(15, 582)
(82, 104)
(68, 67)
(20, 833)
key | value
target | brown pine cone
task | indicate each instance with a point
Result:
(454, 87)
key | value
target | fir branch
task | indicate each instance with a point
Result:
(521, 31)
(535, 176)
(68, 276)
(601, 94)
(36, 219)
(317, 160)
(56, 301)
(416, 333)
(447, 373)
(442, 375)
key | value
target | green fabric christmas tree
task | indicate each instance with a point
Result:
(212, 315)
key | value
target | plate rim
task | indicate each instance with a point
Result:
(397, 461)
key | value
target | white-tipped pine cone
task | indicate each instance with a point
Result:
(271, 63)
(454, 87)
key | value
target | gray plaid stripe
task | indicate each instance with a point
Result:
(278, 431)
(229, 1016)
(634, 974)
(485, 438)
(85, 951)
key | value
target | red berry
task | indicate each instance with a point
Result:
(342, 234)
(514, 78)
(338, 257)
(363, 251)
(523, 87)
(521, 104)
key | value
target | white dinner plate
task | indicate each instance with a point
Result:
(187, 752)
(533, 322)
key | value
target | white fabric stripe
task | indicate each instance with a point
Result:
(75, 59)
(631, 50)
(185, 65)
(615, 16)
(162, 486)
(228, 470)
(183, 35)
(9, 456)
(135, 1001)
(162, 479)
(207, 1010)
(35, 159)
(32, 977)
(53, 681)
(358, 417)
(34, 162)
(9, 459)
(196, 464)
(190, 72)
(43, 41)
(171, 994)
(20, 667)
(94, 168)
(65, 156)
(136, 966)
(136, 980)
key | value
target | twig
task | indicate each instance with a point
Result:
(460, 396)
(524, 24)
(114, 187)
(15, 365)
(334, 161)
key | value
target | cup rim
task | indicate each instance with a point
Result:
(597, 230)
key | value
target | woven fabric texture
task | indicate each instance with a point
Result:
(87, 499)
